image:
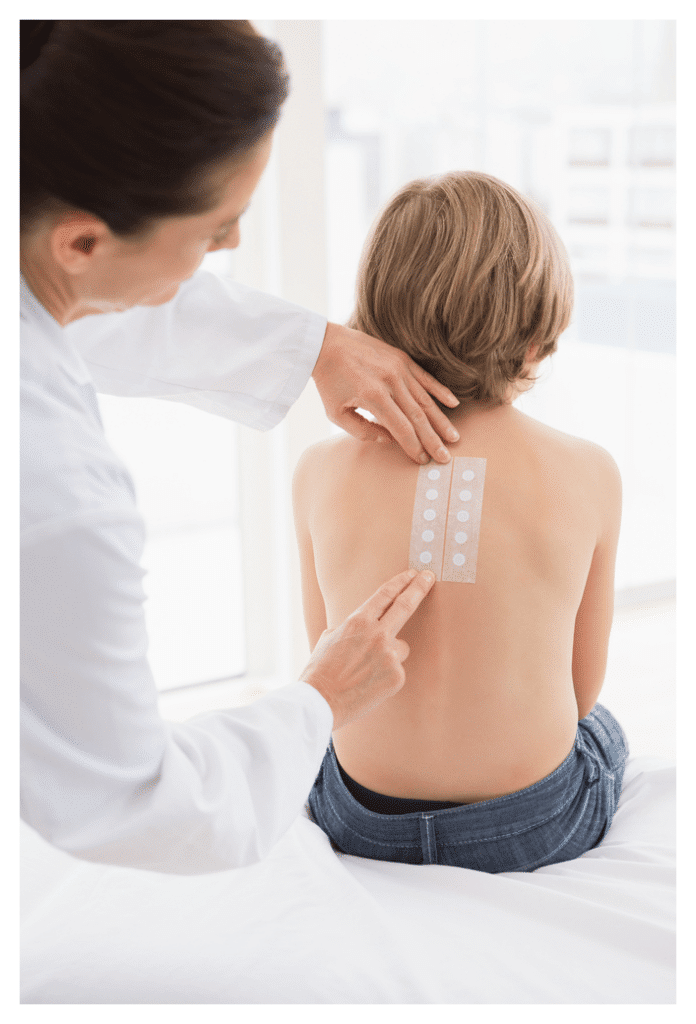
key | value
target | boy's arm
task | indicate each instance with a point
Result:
(312, 599)
(594, 616)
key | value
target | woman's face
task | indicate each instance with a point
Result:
(148, 272)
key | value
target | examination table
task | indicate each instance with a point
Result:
(308, 925)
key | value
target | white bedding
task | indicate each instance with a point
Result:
(310, 926)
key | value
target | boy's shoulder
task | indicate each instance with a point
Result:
(339, 449)
(330, 445)
(324, 451)
(585, 455)
(320, 463)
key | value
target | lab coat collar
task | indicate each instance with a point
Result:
(59, 349)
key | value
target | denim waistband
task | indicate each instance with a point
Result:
(519, 811)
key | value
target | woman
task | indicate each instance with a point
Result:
(495, 755)
(141, 146)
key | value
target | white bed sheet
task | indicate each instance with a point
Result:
(310, 926)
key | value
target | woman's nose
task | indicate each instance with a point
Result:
(233, 239)
(230, 241)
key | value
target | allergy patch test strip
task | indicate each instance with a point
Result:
(430, 518)
(447, 519)
(463, 520)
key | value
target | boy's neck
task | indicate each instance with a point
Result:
(494, 411)
(469, 411)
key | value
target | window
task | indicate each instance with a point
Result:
(183, 462)
(653, 145)
(589, 147)
(589, 204)
(651, 207)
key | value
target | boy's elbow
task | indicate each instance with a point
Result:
(586, 701)
(584, 709)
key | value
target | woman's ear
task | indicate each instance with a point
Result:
(75, 238)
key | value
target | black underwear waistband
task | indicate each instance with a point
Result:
(381, 804)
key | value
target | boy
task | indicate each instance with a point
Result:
(494, 755)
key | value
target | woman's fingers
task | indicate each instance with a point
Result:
(409, 395)
(392, 423)
(414, 434)
(415, 422)
(375, 606)
(430, 422)
(357, 665)
(402, 650)
(405, 603)
(356, 371)
(360, 428)
(430, 384)
(397, 599)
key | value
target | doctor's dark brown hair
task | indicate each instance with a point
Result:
(127, 119)
(464, 273)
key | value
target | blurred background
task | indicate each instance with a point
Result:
(578, 115)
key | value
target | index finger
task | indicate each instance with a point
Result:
(399, 598)
(405, 603)
(431, 384)
(376, 606)
(414, 420)
(430, 423)
(403, 430)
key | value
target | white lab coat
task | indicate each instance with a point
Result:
(103, 777)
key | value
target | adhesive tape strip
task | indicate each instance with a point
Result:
(447, 519)
(430, 517)
(463, 520)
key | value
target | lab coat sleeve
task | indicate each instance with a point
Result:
(103, 776)
(218, 345)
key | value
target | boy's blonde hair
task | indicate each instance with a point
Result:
(464, 274)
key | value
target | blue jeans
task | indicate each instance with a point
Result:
(556, 819)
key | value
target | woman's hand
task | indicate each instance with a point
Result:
(359, 664)
(356, 371)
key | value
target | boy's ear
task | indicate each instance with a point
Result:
(75, 238)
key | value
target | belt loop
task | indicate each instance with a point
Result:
(427, 829)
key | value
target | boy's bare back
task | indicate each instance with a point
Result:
(500, 670)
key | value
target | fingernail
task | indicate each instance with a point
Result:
(428, 576)
(424, 459)
(412, 573)
(452, 435)
(443, 455)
